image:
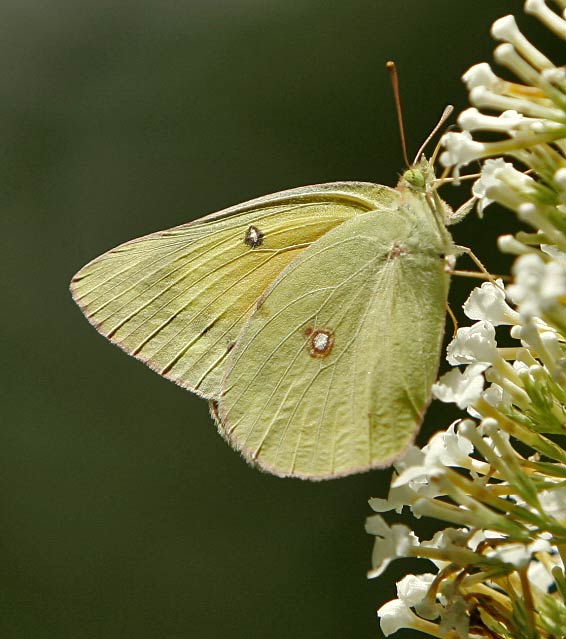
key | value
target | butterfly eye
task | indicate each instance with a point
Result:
(253, 237)
(320, 341)
(415, 178)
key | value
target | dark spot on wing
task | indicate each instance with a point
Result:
(253, 237)
(320, 341)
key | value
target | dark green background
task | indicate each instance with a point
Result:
(124, 514)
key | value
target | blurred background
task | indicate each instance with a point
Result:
(124, 514)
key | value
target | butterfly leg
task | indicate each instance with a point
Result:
(453, 318)
(484, 274)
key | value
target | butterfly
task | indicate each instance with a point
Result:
(310, 319)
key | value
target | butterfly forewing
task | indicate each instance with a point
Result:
(332, 372)
(178, 299)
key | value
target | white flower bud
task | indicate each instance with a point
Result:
(460, 149)
(488, 303)
(481, 75)
(472, 120)
(391, 543)
(448, 448)
(459, 388)
(508, 244)
(394, 615)
(505, 28)
(412, 589)
(473, 344)
(539, 9)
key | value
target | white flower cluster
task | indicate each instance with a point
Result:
(498, 476)
(527, 380)
(531, 111)
(504, 551)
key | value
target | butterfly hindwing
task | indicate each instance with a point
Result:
(332, 373)
(178, 299)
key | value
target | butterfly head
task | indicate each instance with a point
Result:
(419, 176)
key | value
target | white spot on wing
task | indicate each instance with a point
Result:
(320, 342)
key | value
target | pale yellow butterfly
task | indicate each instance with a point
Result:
(311, 319)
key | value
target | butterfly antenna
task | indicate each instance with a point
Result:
(445, 115)
(396, 95)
